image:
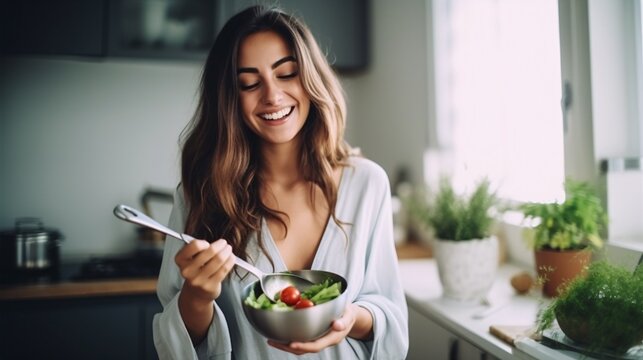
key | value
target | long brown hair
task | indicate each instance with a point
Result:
(220, 159)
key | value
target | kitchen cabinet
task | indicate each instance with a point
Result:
(64, 27)
(161, 29)
(339, 26)
(112, 327)
(165, 29)
(428, 340)
(168, 29)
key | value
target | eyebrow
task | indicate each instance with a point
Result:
(273, 66)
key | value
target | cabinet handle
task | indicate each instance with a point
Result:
(454, 349)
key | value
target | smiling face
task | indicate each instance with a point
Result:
(273, 101)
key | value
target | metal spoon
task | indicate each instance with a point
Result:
(271, 283)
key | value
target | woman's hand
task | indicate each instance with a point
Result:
(203, 266)
(340, 328)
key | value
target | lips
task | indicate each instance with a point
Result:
(278, 115)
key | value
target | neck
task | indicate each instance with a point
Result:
(281, 163)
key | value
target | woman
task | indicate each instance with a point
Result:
(266, 175)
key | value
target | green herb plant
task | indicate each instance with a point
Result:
(573, 224)
(458, 217)
(604, 308)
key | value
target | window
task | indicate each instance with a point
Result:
(611, 57)
(498, 96)
(500, 66)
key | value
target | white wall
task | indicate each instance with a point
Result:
(78, 136)
(614, 78)
(389, 106)
(614, 59)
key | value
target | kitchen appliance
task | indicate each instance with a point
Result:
(151, 242)
(145, 261)
(29, 252)
(117, 267)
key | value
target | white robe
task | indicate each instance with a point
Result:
(367, 260)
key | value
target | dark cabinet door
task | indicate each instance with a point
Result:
(169, 29)
(340, 26)
(47, 27)
(161, 29)
(86, 328)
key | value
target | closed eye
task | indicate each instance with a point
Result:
(288, 76)
(249, 87)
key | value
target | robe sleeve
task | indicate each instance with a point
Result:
(382, 293)
(171, 337)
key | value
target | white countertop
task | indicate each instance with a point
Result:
(471, 321)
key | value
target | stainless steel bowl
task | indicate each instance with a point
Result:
(301, 324)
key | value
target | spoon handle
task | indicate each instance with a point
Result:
(132, 215)
(249, 267)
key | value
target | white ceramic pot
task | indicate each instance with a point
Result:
(467, 269)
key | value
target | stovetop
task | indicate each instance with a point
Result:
(136, 265)
(97, 268)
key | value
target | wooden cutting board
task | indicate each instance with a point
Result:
(509, 333)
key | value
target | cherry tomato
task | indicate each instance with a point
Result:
(290, 295)
(304, 303)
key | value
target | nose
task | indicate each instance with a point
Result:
(273, 94)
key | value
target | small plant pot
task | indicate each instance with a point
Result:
(556, 268)
(600, 311)
(467, 269)
(579, 328)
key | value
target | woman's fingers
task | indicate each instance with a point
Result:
(339, 330)
(224, 269)
(346, 322)
(187, 252)
(332, 338)
(198, 253)
(286, 347)
(204, 266)
(210, 259)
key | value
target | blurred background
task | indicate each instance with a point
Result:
(90, 115)
(94, 95)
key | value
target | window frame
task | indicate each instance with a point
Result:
(601, 44)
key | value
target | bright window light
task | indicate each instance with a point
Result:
(498, 96)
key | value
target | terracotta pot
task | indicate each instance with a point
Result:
(556, 268)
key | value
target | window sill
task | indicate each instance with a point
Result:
(423, 291)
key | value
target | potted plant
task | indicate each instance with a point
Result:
(565, 235)
(466, 252)
(602, 311)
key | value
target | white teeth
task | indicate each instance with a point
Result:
(277, 115)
